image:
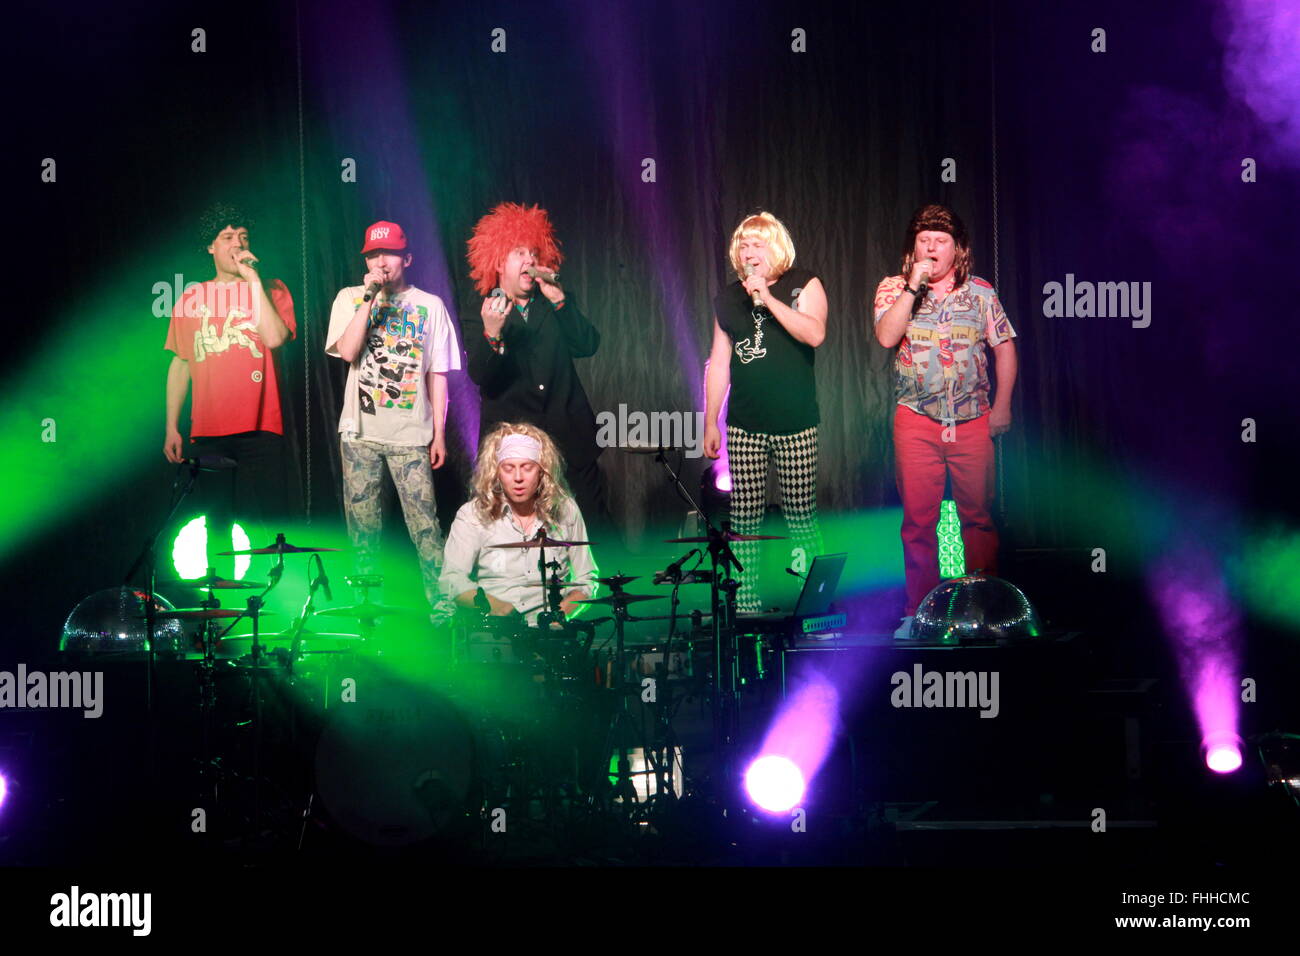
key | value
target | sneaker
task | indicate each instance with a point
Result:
(904, 630)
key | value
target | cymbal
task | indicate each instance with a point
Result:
(204, 613)
(363, 611)
(618, 580)
(280, 547)
(213, 583)
(620, 598)
(541, 543)
(729, 536)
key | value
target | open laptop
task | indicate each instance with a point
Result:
(814, 600)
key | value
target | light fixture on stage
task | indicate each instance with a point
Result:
(190, 549)
(644, 780)
(975, 609)
(952, 553)
(1222, 752)
(774, 783)
(4, 789)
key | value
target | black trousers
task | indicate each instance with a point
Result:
(255, 493)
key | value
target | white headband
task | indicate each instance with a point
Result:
(517, 445)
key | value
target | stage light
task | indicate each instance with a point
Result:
(190, 549)
(644, 781)
(952, 554)
(1223, 753)
(774, 783)
(4, 789)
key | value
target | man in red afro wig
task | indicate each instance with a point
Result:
(521, 345)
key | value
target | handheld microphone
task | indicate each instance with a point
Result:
(210, 463)
(544, 274)
(754, 297)
(371, 291)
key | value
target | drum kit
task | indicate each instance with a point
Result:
(555, 672)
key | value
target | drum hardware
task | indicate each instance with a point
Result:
(722, 604)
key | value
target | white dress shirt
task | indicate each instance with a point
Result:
(510, 574)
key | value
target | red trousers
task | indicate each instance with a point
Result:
(923, 458)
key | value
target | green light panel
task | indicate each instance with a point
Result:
(952, 556)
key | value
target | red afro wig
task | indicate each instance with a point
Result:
(509, 226)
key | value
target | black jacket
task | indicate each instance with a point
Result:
(535, 381)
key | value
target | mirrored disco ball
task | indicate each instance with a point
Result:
(976, 608)
(112, 622)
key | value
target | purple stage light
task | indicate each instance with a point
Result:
(795, 747)
(774, 783)
(1223, 753)
(1203, 622)
(4, 788)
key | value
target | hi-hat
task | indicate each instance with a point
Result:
(618, 580)
(729, 536)
(541, 543)
(620, 598)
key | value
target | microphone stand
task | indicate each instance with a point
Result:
(722, 594)
(149, 554)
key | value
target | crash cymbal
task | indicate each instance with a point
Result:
(280, 547)
(620, 598)
(541, 543)
(214, 583)
(729, 536)
(364, 611)
(204, 613)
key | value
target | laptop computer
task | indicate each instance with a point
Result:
(814, 599)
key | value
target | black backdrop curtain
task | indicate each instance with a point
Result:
(1098, 158)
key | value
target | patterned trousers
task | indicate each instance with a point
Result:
(796, 473)
(363, 470)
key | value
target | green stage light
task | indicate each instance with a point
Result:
(190, 549)
(952, 555)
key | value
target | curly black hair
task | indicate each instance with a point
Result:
(217, 217)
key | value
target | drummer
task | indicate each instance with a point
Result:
(517, 490)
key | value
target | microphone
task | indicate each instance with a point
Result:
(371, 291)
(544, 274)
(754, 297)
(210, 463)
(322, 581)
(801, 577)
(674, 570)
(481, 602)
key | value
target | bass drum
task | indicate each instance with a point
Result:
(395, 766)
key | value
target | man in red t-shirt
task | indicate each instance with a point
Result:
(223, 333)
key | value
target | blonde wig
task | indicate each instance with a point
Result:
(765, 226)
(490, 501)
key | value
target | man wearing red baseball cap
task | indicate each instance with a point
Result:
(400, 345)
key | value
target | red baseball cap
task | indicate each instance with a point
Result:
(384, 235)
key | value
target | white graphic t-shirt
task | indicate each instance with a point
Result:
(386, 399)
